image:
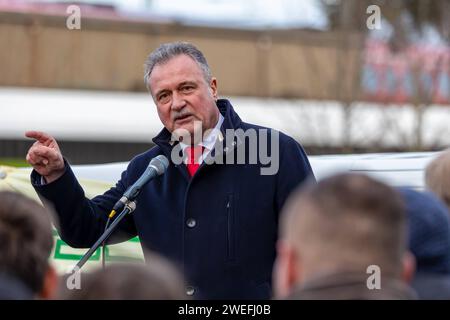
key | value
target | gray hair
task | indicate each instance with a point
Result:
(167, 51)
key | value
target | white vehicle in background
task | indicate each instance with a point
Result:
(396, 169)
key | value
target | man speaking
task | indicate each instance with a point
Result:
(214, 211)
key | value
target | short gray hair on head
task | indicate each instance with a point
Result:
(167, 51)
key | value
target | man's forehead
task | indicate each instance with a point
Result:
(176, 70)
(177, 65)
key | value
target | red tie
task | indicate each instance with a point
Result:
(193, 153)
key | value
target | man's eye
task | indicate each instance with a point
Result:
(187, 89)
(163, 97)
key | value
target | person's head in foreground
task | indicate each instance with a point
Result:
(13, 289)
(343, 238)
(437, 177)
(158, 279)
(429, 242)
(26, 243)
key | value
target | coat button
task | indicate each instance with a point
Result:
(191, 222)
(190, 290)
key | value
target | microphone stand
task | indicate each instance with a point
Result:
(130, 206)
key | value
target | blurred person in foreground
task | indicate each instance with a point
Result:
(333, 233)
(429, 242)
(26, 243)
(437, 177)
(212, 213)
(156, 280)
(13, 289)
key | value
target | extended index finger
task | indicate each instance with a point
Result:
(40, 136)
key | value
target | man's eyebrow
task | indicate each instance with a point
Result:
(192, 83)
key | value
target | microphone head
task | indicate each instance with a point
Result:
(160, 164)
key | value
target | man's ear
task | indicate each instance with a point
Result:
(408, 267)
(50, 284)
(286, 273)
(213, 87)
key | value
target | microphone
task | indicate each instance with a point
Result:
(156, 167)
(126, 204)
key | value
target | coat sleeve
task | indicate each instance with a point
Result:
(294, 169)
(81, 221)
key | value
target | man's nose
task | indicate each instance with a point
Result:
(177, 102)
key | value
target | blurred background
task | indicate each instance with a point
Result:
(341, 76)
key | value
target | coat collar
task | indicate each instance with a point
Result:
(351, 286)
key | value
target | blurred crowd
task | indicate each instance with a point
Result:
(347, 237)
